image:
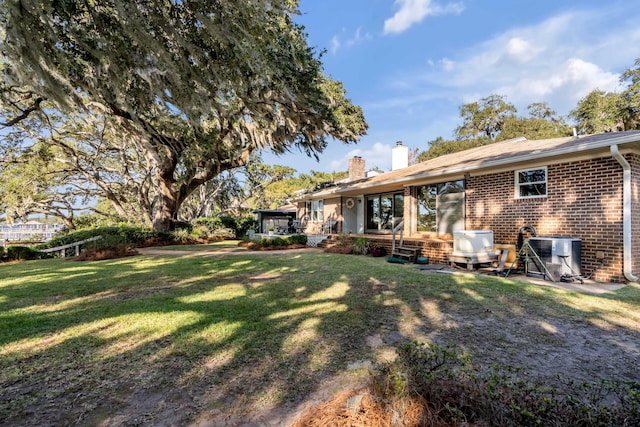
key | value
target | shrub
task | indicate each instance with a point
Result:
(266, 242)
(200, 232)
(377, 250)
(279, 241)
(182, 225)
(227, 226)
(212, 223)
(298, 239)
(244, 224)
(223, 233)
(24, 253)
(1, 251)
(182, 235)
(112, 237)
(361, 246)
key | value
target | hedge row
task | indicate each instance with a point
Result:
(121, 235)
(21, 253)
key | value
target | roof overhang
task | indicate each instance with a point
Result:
(543, 152)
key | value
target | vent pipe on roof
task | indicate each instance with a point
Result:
(627, 262)
(399, 156)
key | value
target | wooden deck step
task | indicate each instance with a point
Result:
(409, 253)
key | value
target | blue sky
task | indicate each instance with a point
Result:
(411, 64)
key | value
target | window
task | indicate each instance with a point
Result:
(531, 183)
(384, 211)
(315, 210)
(440, 207)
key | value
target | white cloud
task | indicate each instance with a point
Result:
(521, 50)
(335, 44)
(414, 11)
(377, 155)
(357, 38)
(558, 61)
(561, 87)
(446, 64)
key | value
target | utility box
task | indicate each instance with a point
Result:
(563, 253)
(473, 247)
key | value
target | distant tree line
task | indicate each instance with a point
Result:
(493, 119)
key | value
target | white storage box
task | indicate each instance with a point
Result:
(473, 244)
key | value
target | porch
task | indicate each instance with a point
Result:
(437, 250)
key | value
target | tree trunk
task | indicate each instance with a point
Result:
(166, 213)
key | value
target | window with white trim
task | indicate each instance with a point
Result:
(531, 183)
(315, 210)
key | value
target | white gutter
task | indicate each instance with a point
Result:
(626, 214)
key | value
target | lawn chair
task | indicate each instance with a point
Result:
(329, 227)
(300, 225)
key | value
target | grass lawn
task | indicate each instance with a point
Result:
(169, 339)
(226, 245)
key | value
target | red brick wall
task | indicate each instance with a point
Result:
(333, 211)
(584, 200)
(438, 251)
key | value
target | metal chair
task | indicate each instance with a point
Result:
(328, 226)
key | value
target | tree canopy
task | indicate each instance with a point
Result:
(198, 86)
(493, 119)
(601, 111)
(484, 118)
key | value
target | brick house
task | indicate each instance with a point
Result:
(586, 187)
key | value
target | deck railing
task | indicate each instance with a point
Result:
(397, 229)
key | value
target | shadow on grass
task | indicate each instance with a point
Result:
(170, 339)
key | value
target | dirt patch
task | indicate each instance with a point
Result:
(256, 246)
(103, 254)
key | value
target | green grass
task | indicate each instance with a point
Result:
(228, 245)
(79, 340)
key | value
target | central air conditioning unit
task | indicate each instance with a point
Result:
(473, 247)
(561, 256)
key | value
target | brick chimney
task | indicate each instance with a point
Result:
(356, 168)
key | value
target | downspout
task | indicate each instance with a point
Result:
(626, 213)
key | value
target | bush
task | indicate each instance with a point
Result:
(227, 226)
(182, 235)
(24, 253)
(223, 233)
(244, 224)
(112, 237)
(279, 241)
(212, 223)
(298, 239)
(1, 251)
(264, 242)
(361, 246)
(200, 232)
(376, 250)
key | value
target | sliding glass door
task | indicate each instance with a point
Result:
(384, 211)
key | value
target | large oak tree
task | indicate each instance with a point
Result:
(198, 85)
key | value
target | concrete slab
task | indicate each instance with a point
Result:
(588, 286)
